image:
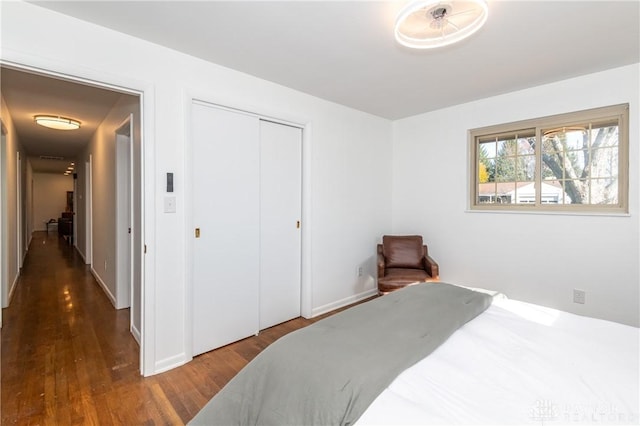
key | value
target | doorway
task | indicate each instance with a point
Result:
(92, 234)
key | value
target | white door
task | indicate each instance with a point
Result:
(280, 213)
(226, 222)
(123, 215)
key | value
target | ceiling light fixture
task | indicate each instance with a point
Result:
(57, 122)
(433, 23)
(551, 133)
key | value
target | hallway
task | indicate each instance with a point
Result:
(64, 346)
(68, 357)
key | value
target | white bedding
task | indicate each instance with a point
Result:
(519, 363)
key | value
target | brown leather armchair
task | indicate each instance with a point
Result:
(402, 261)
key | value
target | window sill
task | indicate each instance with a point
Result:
(550, 213)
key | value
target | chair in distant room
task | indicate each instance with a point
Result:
(403, 261)
(65, 226)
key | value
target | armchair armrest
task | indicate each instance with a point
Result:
(431, 266)
(380, 265)
(380, 262)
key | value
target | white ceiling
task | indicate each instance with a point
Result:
(342, 51)
(29, 94)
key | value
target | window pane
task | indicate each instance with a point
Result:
(575, 139)
(525, 193)
(575, 192)
(575, 164)
(486, 162)
(527, 168)
(604, 136)
(547, 173)
(604, 163)
(506, 193)
(502, 148)
(486, 171)
(604, 191)
(550, 145)
(560, 162)
(526, 146)
(486, 193)
(505, 169)
(552, 192)
(496, 193)
(487, 150)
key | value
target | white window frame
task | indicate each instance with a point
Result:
(614, 113)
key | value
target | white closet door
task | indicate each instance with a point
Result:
(280, 212)
(226, 211)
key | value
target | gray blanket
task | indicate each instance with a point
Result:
(329, 372)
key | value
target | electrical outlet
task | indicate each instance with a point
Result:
(360, 271)
(579, 296)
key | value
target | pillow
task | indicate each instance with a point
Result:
(402, 251)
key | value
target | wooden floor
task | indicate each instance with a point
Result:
(68, 357)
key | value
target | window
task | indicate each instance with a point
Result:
(569, 162)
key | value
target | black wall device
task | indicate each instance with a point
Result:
(169, 182)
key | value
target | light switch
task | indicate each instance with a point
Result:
(169, 204)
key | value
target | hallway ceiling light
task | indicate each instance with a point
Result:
(552, 133)
(57, 122)
(433, 23)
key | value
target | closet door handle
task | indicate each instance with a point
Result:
(297, 224)
(197, 232)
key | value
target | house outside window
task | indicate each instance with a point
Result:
(569, 162)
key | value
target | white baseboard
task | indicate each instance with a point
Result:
(12, 289)
(170, 363)
(111, 297)
(136, 333)
(343, 302)
(84, 259)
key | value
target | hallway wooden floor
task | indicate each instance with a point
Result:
(68, 357)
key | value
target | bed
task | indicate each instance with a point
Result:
(503, 362)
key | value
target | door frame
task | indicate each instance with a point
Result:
(124, 214)
(19, 225)
(75, 204)
(88, 210)
(3, 219)
(304, 123)
(145, 91)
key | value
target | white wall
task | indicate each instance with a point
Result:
(346, 170)
(28, 199)
(10, 269)
(102, 148)
(538, 258)
(49, 197)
